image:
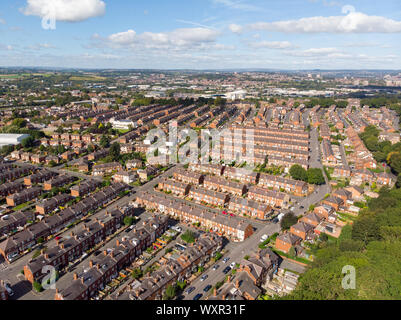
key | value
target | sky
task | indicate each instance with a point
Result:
(201, 34)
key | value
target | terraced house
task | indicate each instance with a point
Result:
(211, 197)
(232, 227)
(11, 222)
(10, 188)
(102, 169)
(153, 286)
(188, 177)
(298, 188)
(39, 177)
(246, 207)
(101, 269)
(177, 188)
(223, 185)
(18, 243)
(11, 175)
(85, 188)
(24, 196)
(83, 238)
(241, 174)
(273, 198)
(215, 169)
(48, 205)
(58, 182)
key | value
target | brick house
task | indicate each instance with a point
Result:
(273, 198)
(302, 230)
(250, 208)
(286, 241)
(175, 187)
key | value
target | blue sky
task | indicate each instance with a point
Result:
(201, 34)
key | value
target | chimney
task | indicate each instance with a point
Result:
(105, 252)
(91, 263)
(75, 276)
(215, 292)
(228, 279)
(223, 297)
(237, 284)
(118, 242)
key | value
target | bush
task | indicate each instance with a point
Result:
(188, 237)
(37, 286)
(288, 220)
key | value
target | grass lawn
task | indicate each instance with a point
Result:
(21, 206)
(302, 260)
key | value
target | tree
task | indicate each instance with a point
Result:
(28, 142)
(188, 237)
(170, 292)
(298, 173)
(105, 141)
(292, 252)
(20, 123)
(395, 162)
(115, 151)
(315, 176)
(129, 221)
(37, 286)
(288, 220)
(136, 273)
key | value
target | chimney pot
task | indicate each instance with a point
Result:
(75, 276)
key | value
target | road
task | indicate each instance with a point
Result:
(236, 252)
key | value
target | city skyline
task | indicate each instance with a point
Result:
(212, 34)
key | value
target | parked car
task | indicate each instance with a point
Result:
(9, 290)
(232, 265)
(226, 270)
(207, 288)
(204, 277)
(226, 259)
(263, 238)
(198, 296)
(189, 290)
(215, 267)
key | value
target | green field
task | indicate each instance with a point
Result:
(87, 78)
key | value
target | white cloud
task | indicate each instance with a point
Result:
(179, 38)
(65, 10)
(272, 45)
(354, 22)
(2, 21)
(235, 28)
(122, 38)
